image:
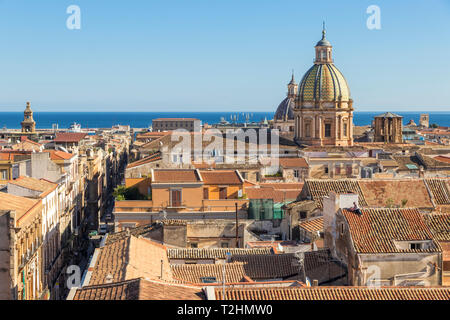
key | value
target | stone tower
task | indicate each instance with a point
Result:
(28, 123)
(388, 128)
(424, 120)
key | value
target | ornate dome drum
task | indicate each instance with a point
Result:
(323, 113)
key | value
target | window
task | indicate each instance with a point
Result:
(205, 193)
(296, 173)
(326, 169)
(194, 245)
(308, 130)
(349, 170)
(327, 130)
(345, 129)
(4, 174)
(415, 246)
(224, 244)
(303, 215)
(223, 193)
(342, 229)
(338, 169)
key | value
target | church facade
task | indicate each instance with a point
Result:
(323, 112)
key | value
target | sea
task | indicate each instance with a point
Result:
(45, 120)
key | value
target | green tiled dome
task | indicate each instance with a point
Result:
(324, 82)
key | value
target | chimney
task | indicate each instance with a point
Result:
(315, 283)
(162, 268)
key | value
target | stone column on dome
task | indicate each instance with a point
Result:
(299, 126)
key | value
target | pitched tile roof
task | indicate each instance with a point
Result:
(439, 225)
(69, 136)
(216, 253)
(193, 273)
(276, 195)
(293, 163)
(14, 155)
(59, 155)
(320, 265)
(377, 192)
(334, 293)
(151, 158)
(139, 289)
(312, 225)
(263, 266)
(440, 188)
(27, 144)
(220, 177)
(173, 176)
(20, 205)
(130, 258)
(283, 186)
(137, 231)
(376, 230)
(322, 188)
(40, 185)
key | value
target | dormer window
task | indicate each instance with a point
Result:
(415, 246)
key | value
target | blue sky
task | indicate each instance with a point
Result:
(218, 55)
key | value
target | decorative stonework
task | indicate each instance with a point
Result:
(28, 123)
(323, 113)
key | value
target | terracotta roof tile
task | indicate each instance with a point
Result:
(151, 158)
(322, 188)
(439, 225)
(334, 293)
(263, 266)
(376, 230)
(277, 196)
(440, 190)
(220, 177)
(69, 136)
(283, 186)
(172, 176)
(59, 155)
(216, 253)
(293, 163)
(312, 225)
(128, 259)
(377, 192)
(139, 289)
(138, 231)
(20, 205)
(40, 185)
(193, 273)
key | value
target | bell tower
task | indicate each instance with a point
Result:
(292, 87)
(28, 123)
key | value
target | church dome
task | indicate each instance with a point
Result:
(285, 110)
(324, 82)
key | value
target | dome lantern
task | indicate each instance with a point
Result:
(323, 49)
